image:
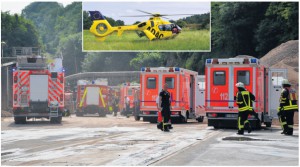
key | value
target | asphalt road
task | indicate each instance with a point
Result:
(123, 141)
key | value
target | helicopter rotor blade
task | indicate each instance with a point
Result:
(144, 12)
(137, 16)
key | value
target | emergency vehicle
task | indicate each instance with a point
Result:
(38, 92)
(92, 98)
(127, 89)
(182, 87)
(200, 99)
(221, 77)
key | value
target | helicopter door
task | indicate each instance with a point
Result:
(152, 23)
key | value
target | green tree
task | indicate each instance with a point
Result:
(87, 22)
(281, 24)
(17, 32)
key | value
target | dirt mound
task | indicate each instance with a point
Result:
(286, 56)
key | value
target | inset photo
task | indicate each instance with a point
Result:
(146, 26)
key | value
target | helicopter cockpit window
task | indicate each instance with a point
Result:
(165, 27)
(142, 24)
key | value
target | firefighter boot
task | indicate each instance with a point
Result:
(289, 131)
(240, 132)
(248, 126)
(159, 126)
(166, 128)
(285, 129)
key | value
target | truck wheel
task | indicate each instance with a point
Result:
(200, 119)
(20, 120)
(268, 124)
(55, 120)
(137, 118)
(153, 120)
(216, 126)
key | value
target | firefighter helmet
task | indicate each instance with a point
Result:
(285, 82)
(239, 85)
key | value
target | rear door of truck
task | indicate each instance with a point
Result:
(149, 91)
(173, 88)
(38, 88)
(92, 96)
(275, 79)
(218, 88)
(244, 75)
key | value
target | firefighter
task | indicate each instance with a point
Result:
(165, 107)
(127, 105)
(244, 100)
(288, 105)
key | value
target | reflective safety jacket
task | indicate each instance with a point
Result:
(244, 100)
(288, 100)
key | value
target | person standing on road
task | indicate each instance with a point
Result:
(244, 100)
(288, 105)
(165, 107)
(127, 105)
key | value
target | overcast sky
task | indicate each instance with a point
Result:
(17, 6)
(117, 9)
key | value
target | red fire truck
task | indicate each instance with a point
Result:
(128, 90)
(221, 77)
(92, 98)
(38, 92)
(182, 86)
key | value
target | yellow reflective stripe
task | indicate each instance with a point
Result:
(84, 94)
(102, 100)
(290, 126)
(239, 124)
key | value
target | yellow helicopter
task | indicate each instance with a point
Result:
(154, 28)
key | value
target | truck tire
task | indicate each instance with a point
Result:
(20, 120)
(268, 124)
(200, 119)
(137, 118)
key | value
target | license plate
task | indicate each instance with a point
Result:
(231, 115)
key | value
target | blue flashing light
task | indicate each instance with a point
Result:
(208, 61)
(13, 69)
(143, 69)
(63, 70)
(93, 82)
(177, 69)
(253, 61)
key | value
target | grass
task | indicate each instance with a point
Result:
(187, 40)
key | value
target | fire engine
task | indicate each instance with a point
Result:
(128, 90)
(221, 77)
(182, 87)
(38, 91)
(92, 97)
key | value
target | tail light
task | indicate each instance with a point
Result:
(212, 115)
(171, 69)
(148, 69)
(146, 112)
(175, 113)
(15, 97)
(61, 97)
(15, 79)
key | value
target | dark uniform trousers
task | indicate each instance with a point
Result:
(166, 114)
